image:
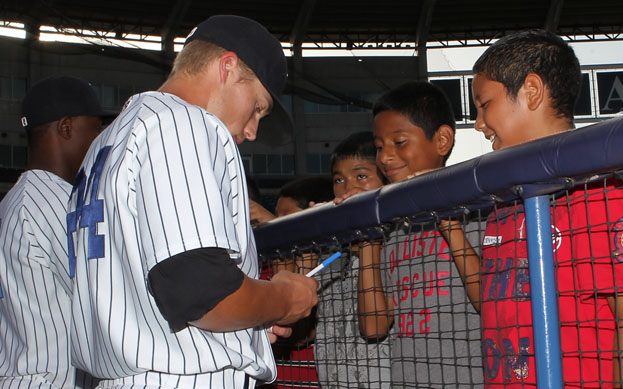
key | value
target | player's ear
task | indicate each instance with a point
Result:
(228, 66)
(444, 139)
(63, 127)
(533, 89)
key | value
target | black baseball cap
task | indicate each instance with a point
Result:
(60, 96)
(261, 52)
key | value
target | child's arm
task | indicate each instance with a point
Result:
(467, 261)
(300, 264)
(259, 215)
(305, 262)
(374, 309)
(279, 264)
(616, 304)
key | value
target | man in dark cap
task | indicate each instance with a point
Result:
(61, 116)
(166, 291)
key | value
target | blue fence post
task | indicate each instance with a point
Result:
(545, 319)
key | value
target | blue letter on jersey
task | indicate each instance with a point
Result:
(1, 295)
(87, 215)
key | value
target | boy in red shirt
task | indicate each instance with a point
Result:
(525, 87)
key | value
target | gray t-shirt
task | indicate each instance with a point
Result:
(344, 359)
(435, 338)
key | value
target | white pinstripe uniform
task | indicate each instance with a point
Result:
(164, 178)
(34, 277)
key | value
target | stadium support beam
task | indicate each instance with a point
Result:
(178, 12)
(423, 28)
(302, 22)
(298, 112)
(553, 15)
(32, 26)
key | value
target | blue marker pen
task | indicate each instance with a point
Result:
(324, 264)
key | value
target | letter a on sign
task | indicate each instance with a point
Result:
(616, 94)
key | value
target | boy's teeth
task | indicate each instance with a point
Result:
(492, 138)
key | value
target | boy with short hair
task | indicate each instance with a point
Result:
(344, 359)
(435, 339)
(525, 87)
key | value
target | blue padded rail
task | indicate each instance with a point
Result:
(538, 167)
(543, 161)
(320, 223)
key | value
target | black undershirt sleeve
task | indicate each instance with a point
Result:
(188, 285)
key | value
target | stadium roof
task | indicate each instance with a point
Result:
(352, 23)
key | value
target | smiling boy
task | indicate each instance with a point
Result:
(519, 100)
(434, 331)
(525, 87)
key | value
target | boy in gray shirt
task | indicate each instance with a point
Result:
(410, 288)
(344, 358)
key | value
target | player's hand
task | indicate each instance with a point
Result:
(276, 331)
(299, 294)
(259, 214)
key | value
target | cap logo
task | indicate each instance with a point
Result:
(24, 121)
(191, 33)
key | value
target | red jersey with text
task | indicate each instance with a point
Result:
(586, 236)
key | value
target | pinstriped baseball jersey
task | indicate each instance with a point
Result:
(36, 288)
(165, 177)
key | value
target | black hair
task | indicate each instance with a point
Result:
(303, 190)
(424, 104)
(541, 52)
(359, 145)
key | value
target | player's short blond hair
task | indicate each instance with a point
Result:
(197, 54)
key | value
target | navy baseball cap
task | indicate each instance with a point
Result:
(57, 97)
(262, 53)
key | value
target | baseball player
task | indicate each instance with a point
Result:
(61, 116)
(166, 291)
